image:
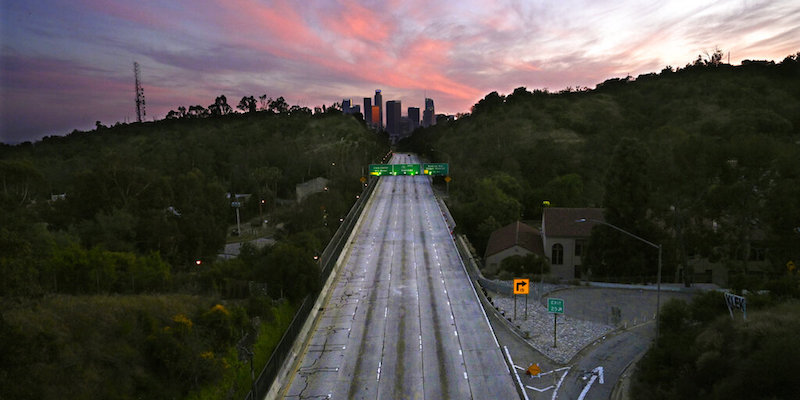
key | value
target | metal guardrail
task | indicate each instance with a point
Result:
(327, 261)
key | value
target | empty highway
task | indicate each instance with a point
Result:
(402, 320)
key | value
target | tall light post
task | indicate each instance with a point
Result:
(658, 280)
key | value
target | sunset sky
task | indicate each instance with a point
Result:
(66, 64)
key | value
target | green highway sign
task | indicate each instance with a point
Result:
(406, 169)
(555, 306)
(380, 169)
(394, 169)
(439, 169)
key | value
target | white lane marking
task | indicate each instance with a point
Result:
(558, 385)
(385, 311)
(379, 370)
(595, 373)
(465, 375)
(519, 382)
(540, 390)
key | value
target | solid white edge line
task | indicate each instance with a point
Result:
(560, 381)
(472, 285)
(519, 381)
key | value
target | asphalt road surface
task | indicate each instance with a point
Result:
(402, 320)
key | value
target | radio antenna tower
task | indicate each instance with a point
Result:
(140, 110)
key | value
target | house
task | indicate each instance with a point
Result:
(511, 240)
(564, 240)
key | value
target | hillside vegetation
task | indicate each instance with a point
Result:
(703, 353)
(111, 286)
(702, 159)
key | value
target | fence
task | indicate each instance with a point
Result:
(327, 261)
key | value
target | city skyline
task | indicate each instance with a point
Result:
(65, 65)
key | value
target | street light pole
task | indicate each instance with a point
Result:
(658, 279)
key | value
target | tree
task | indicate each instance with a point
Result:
(266, 177)
(19, 178)
(611, 253)
(278, 106)
(488, 103)
(220, 106)
(198, 111)
(627, 185)
(247, 104)
(518, 266)
(292, 272)
(263, 102)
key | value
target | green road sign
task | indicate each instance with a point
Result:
(555, 306)
(380, 169)
(394, 169)
(439, 169)
(406, 169)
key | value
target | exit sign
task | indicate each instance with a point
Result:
(380, 169)
(441, 169)
(405, 169)
(394, 169)
(555, 306)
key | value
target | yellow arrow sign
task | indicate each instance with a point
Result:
(521, 286)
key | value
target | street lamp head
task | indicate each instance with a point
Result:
(580, 220)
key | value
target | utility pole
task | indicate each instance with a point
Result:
(140, 104)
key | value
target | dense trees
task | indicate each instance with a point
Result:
(704, 354)
(125, 223)
(626, 202)
(694, 158)
(701, 159)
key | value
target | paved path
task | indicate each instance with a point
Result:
(588, 337)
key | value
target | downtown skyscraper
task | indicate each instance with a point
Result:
(429, 115)
(379, 103)
(368, 111)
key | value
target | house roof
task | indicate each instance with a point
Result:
(560, 222)
(515, 234)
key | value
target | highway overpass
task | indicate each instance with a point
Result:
(401, 319)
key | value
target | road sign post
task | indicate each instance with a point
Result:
(521, 286)
(555, 306)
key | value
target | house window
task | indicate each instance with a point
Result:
(557, 254)
(579, 247)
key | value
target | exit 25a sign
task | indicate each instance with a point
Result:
(555, 306)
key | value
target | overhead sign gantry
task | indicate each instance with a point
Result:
(435, 169)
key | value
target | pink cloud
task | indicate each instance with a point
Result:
(358, 22)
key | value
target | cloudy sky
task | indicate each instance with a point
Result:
(68, 63)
